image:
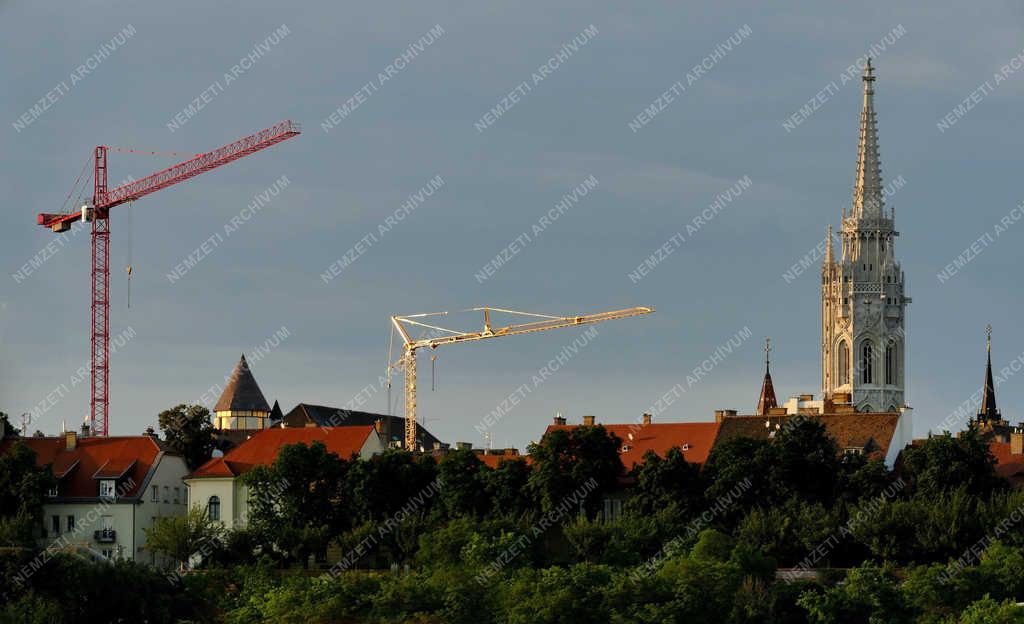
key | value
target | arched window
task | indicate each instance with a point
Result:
(867, 373)
(842, 363)
(890, 363)
(213, 508)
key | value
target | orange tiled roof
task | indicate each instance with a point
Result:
(696, 437)
(78, 470)
(262, 448)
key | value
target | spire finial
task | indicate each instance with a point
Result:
(767, 353)
(988, 341)
(869, 71)
(828, 245)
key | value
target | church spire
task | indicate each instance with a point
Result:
(867, 190)
(988, 410)
(828, 246)
(767, 399)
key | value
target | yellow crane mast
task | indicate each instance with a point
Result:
(442, 336)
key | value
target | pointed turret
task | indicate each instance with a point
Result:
(828, 246)
(867, 191)
(241, 405)
(989, 411)
(767, 399)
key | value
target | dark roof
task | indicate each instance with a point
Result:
(767, 399)
(871, 431)
(988, 410)
(392, 427)
(242, 392)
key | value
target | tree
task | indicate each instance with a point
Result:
(462, 474)
(296, 502)
(566, 460)
(805, 461)
(376, 489)
(661, 483)
(187, 430)
(23, 487)
(506, 488)
(181, 537)
(943, 463)
(7, 430)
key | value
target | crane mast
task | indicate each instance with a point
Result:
(407, 360)
(98, 212)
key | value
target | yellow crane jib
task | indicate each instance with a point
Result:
(402, 325)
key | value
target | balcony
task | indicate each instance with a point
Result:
(105, 536)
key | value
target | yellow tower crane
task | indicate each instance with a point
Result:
(442, 336)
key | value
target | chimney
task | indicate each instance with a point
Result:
(588, 421)
(463, 446)
(559, 419)
(85, 430)
(70, 440)
(378, 425)
(1017, 442)
(647, 418)
(149, 432)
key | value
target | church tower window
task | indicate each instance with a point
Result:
(867, 362)
(890, 363)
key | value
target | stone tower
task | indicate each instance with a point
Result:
(863, 300)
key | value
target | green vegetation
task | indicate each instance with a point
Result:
(785, 531)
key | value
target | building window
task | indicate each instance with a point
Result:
(842, 363)
(167, 494)
(107, 488)
(71, 523)
(55, 524)
(867, 373)
(52, 492)
(155, 495)
(890, 363)
(177, 495)
(213, 508)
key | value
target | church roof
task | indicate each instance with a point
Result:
(242, 392)
(767, 399)
(989, 410)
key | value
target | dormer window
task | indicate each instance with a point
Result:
(52, 492)
(108, 488)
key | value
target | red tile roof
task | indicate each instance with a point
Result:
(492, 461)
(262, 448)
(696, 438)
(853, 430)
(1008, 465)
(93, 458)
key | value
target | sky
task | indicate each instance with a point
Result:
(508, 107)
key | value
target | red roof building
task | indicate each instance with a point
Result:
(215, 486)
(694, 439)
(109, 491)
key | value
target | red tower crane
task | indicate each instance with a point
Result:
(98, 212)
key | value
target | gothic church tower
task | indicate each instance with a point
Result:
(863, 302)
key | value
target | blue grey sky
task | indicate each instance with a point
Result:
(424, 121)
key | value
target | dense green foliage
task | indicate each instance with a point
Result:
(451, 540)
(188, 431)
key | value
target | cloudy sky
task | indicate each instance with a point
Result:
(427, 117)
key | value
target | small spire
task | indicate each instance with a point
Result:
(828, 245)
(767, 399)
(988, 410)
